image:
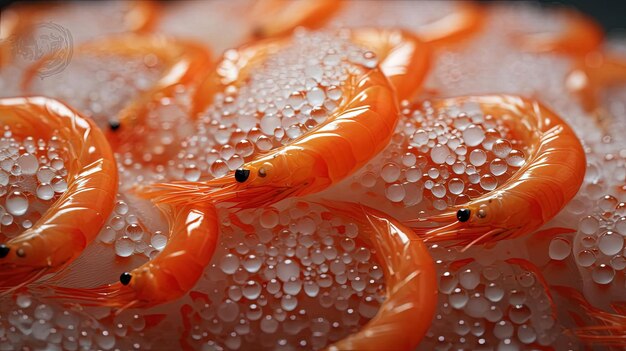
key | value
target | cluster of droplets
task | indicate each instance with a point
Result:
(128, 235)
(443, 156)
(28, 322)
(598, 246)
(114, 82)
(32, 177)
(288, 94)
(292, 279)
(502, 305)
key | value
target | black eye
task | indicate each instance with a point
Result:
(4, 251)
(463, 215)
(125, 278)
(114, 125)
(241, 175)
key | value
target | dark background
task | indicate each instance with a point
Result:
(610, 13)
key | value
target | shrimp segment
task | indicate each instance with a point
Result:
(170, 275)
(184, 64)
(405, 316)
(75, 219)
(549, 179)
(348, 139)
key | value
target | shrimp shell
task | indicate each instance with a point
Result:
(75, 219)
(411, 280)
(279, 17)
(553, 173)
(171, 274)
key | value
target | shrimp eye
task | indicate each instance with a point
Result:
(4, 251)
(114, 125)
(463, 215)
(241, 175)
(262, 172)
(125, 278)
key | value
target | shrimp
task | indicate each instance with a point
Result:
(278, 17)
(334, 149)
(75, 219)
(405, 316)
(549, 179)
(170, 275)
(581, 36)
(185, 63)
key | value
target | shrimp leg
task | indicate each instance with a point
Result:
(170, 275)
(75, 219)
(406, 314)
(548, 180)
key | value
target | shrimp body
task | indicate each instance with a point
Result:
(171, 274)
(334, 149)
(580, 36)
(75, 219)
(548, 180)
(406, 314)
(185, 63)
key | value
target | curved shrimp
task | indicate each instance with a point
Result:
(277, 17)
(411, 281)
(347, 140)
(184, 64)
(549, 179)
(75, 219)
(170, 275)
(581, 36)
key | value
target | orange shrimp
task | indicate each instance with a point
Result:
(405, 316)
(75, 219)
(278, 17)
(170, 275)
(549, 179)
(581, 36)
(185, 63)
(334, 149)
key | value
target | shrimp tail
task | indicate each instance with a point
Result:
(112, 295)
